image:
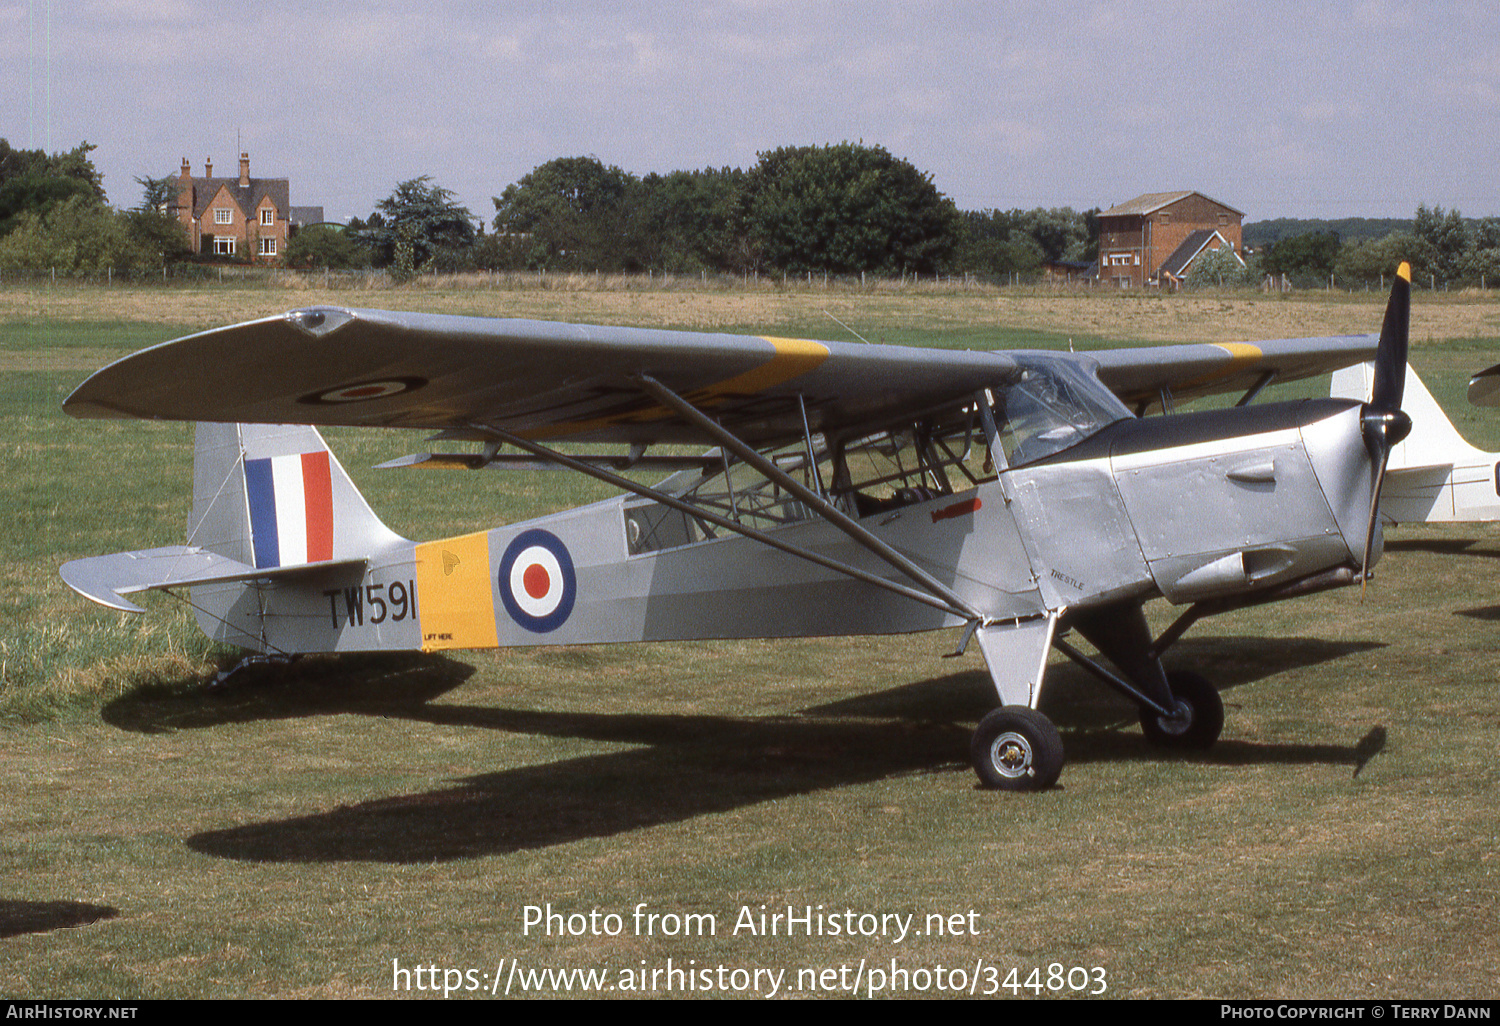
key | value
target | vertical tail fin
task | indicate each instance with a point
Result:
(1435, 474)
(1433, 442)
(273, 495)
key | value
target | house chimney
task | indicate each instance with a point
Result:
(208, 167)
(244, 170)
(186, 171)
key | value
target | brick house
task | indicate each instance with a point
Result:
(1153, 239)
(244, 217)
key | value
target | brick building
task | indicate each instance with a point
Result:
(244, 217)
(1153, 239)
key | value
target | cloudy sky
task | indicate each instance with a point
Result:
(1280, 109)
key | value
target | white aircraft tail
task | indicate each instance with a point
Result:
(1435, 474)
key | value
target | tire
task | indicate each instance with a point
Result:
(1202, 720)
(1017, 749)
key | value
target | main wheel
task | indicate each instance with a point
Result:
(1017, 749)
(1200, 714)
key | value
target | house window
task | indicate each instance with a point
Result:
(1119, 259)
(224, 245)
(267, 247)
(223, 216)
(268, 217)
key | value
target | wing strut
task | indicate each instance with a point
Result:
(829, 512)
(682, 506)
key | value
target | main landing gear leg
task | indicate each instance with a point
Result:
(1179, 710)
(1016, 748)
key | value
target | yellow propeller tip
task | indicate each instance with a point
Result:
(1404, 271)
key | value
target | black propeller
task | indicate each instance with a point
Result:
(1382, 421)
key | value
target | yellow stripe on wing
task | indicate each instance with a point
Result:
(792, 358)
(1242, 357)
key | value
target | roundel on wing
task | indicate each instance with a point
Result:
(363, 391)
(536, 581)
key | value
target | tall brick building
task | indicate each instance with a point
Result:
(1153, 239)
(249, 218)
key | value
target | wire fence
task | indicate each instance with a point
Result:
(380, 279)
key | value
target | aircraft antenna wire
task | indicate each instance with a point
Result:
(846, 327)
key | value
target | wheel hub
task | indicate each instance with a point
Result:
(1011, 755)
(1179, 722)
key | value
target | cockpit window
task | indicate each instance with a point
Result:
(1049, 406)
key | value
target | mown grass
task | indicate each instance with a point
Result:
(294, 835)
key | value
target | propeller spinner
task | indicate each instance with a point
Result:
(1382, 421)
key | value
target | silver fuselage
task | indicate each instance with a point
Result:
(1189, 507)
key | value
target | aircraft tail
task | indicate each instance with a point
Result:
(1433, 442)
(269, 501)
(273, 495)
(1434, 475)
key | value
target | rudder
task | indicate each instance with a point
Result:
(274, 495)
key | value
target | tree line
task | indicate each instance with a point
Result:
(1445, 250)
(54, 214)
(839, 209)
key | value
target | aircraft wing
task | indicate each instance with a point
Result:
(1138, 375)
(543, 380)
(535, 379)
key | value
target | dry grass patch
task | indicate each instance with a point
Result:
(884, 314)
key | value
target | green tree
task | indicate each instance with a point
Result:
(1021, 241)
(693, 220)
(1375, 260)
(77, 235)
(154, 232)
(38, 194)
(1447, 241)
(847, 208)
(157, 194)
(427, 216)
(1306, 260)
(1221, 268)
(324, 245)
(571, 213)
(30, 180)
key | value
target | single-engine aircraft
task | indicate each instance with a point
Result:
(848, 489)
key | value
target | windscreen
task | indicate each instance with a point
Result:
(1051, 405)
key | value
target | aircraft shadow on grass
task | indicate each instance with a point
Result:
(1441, 546)
(688, 765)
(18, 917)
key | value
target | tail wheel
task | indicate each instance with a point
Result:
(1199, 719)
(1017, 749)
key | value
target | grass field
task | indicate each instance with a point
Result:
(320, 831)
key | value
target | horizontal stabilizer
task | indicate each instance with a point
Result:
(1484, 387)
(104, 579)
